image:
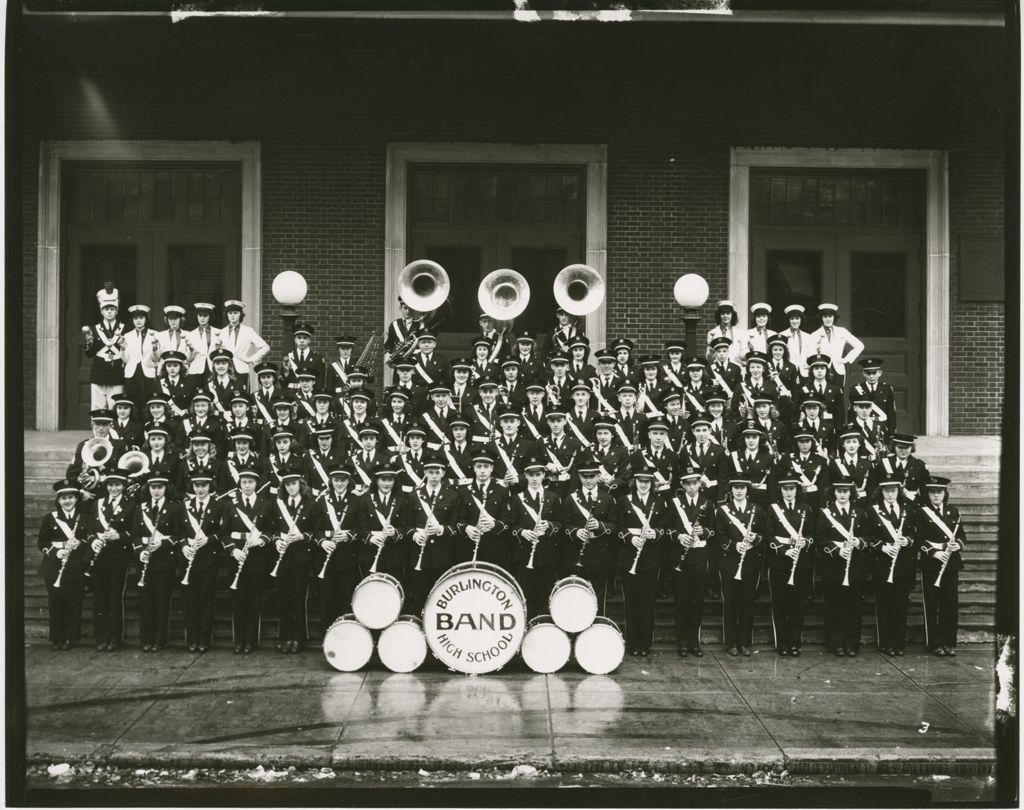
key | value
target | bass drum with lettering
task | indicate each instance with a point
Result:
(475, 618)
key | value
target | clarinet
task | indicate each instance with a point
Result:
(380, 548)
(145, 565)
(800, 534)
(639, 551)
(327, 558)
(535, 543)
(743, 554)
(188, 568)
(686, 549)
(899, 532)
(942, 570)
(849, 544)
(423, 548)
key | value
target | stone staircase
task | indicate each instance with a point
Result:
(971, 462)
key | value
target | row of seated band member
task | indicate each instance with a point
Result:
(654, 517)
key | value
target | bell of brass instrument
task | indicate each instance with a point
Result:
(423, 286)
(95, 453)
(503, 294)
(579, 289)
(134, 463)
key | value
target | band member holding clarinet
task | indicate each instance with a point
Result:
(740, 527)
(156, 532)
(790, 531)
(382, 522)
(247, 519)
(642, 520)
(844, 565)
(201, 548)
(587, 520)
(434, 508)
(692, 523)
(892, 525)
(109, 535)
(293, 523)
(337, 565)
(65, 559)
(482, 514)
(941, 542)
(533, 519)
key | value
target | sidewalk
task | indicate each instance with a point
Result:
(815, 714)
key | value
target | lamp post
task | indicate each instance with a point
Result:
(289, 289)
(691, 292)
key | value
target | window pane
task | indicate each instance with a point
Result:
(878, 294)
(793, 277)
(463, 265)
(196, 273)
(539, 266)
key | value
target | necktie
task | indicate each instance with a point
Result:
(292, 503)
(892, 512)
(248, 503)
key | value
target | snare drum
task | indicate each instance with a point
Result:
(600, 648)
(573, 604)
(546, 646)
(402, 647)
(377, 600)
(347, 644)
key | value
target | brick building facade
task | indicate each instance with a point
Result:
(670, 105)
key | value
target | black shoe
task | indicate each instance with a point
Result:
(296, 646)
(733, 650)
(784, 651)
(67, 645)
(193, 648)
(238, 648)
(247, 649)
(794, 651)
(851, 652)
(204, 648)
(101, 647)
(645, 652)
(940, 651)
(56, 646)
(949, 651)
(745, 651)
(635, 653)
(283, 647)
(147, 648)
(840, 651)
(113, 646)
(696, 650)
(682, 651)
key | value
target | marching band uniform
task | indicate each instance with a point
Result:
(531, 367)
(438, 550)
(164, 463)
(722, 368)
(756, 339)
(640, 589)
(851, 463)
(891, 526)
(375, 509)
(612, 459)
(512, 392)
(707, 457)
(100, 420)
(536, 567)
(938, 529)
(605, 384)
(494, 545)
(111, 558)
(822, 431)
(909, 470)
(810, 469)
(61, 541)
(560, 452)
(410, 463)
(751, 464)
(842, 601)
(516, 449)
(302, 360)
(278, 462)
(483, 415)
(338, 558)
(177, 390)
(162, 520)
(204, 340)
(679, 428)
(834, 341)
(292, 508)
(399, 331)
(124, 428)
(880, 394)
(535, 412)
(336, 372)
(103, 344)
(787, 520)
(735, 520)
(203, 521)
(817, 387)
(661, 462)
(205, 425)
(429, 365)
(365, 462)
(322, 461)
(247, 348)
(591, 559)
(247, 533)
(458, 454)
(139, 367)
(464, 394)
(689, 560)
(206, 465)
(268, 391)
(872, 431)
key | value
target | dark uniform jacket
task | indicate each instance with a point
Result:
(52, 538)
(518, 452)
(115, 553)
(235, 530)
(169, 525)
(701, 513)
(665, 466)
(345, 512)
(107, 363)
(728, 520)
(883, 396)
(913, 474)
(614, 460)
(369, 511)
(880, 530)
(208, 522)
(130, 435)
(831, 398)
(439, 552)
(627, 519)
(495, 545)
(599, 553)
(779, 539)
(548, 548)
(830, 540)
(933, 539)
(305, 517)
(312, 363)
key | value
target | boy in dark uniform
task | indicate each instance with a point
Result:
(739, 527)
(156, 533)
(692, 522)
(293, 524)
(892, 527)
(338, 562)
(789, 532)
(65, 559)
(109, 534)
(844, 564)
(247, 519)
(533, 521)
(200, 549)
(942, 541)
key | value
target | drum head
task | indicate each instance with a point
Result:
(573, 604)
(546, 648)
(377, 601)
(600, 648)
(348, 645)
(402, 647)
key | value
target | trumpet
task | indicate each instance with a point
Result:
(849, 544)
(743, 554)
(896, 556)
(799, 546)
(942, 570)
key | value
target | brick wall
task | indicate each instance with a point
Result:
(325, 98)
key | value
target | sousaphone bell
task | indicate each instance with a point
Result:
(423, 285)
(579, 289)
(503, 294)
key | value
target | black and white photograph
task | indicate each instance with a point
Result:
(452, 403)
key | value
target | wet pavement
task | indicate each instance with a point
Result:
(817, 714)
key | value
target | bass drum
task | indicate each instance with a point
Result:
(546, 646)
(600, 648)
(475, 618)
(402, 647)
(377, 600)
(347, 644)
(573, 604)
